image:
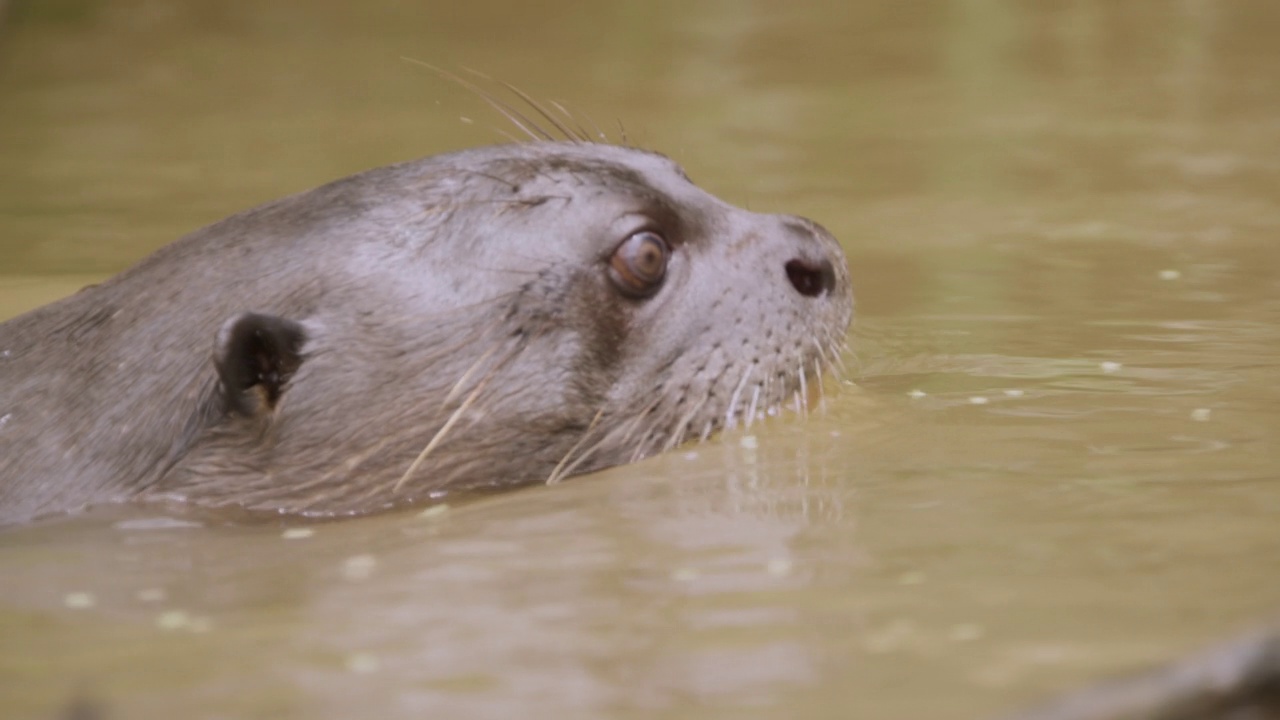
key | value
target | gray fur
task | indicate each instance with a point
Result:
(474, 280)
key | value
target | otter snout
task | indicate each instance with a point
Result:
(812, 270)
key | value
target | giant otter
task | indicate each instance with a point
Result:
(484, 319)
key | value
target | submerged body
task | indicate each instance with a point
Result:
(489, 318)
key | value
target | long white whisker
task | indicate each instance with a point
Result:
(707, 429)
(514, 116)
(439, 436)
(729, 420)
(682, 426)
(462, 381)
(560, 471)
(751, 410)
(803, 397)
(822, 390)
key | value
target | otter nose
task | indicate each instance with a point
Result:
(810, 271)
(811, 279)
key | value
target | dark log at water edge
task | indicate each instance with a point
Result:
(1239, 680)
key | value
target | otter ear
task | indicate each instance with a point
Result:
(255, 356)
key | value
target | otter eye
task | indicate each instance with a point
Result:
(639, 264)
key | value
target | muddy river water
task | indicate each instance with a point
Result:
(1055, 458)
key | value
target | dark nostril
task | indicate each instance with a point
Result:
(811, 279)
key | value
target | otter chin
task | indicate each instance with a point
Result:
(479, 320)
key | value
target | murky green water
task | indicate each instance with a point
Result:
(1060, 460)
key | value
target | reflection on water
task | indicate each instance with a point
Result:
(1059, 460)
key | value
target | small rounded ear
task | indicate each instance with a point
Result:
(255, 356)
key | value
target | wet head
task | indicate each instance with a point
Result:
(485, 319)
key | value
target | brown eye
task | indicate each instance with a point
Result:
(639, 264)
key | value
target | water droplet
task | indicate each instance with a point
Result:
(685, 574)
(173, 620)
(778, 567)
(435, 511)
(362, 663)
(359, 567)
(79, 600)
(151, 595)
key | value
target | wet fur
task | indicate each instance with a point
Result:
(459, 334)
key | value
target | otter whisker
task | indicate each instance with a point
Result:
(506, 135)
(439, 436)
(641, 424)
(803, 395)
(730, 421)
(532, 103)
(491, 99)
(510, 113)
(580, 133)
(601, 134)
(821, 360)
(837, 357)
(836, 372)
(751, 409)
(682, 425)
(564, 129)
(707, 429)
(674, 438)
(560, 471)
(466, 375)
(824, 352)
(822, 390)
(585, 455)
(461, 409)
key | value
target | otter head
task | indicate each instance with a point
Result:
(500, 317)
